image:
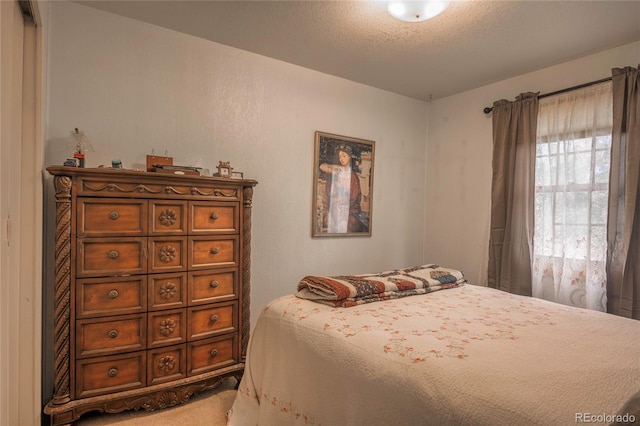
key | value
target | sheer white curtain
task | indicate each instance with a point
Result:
(573, 147)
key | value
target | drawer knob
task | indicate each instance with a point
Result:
(167, 291)
(214, 216)
(114, 215)
(168, 217)
(167, 363)
(113, 254)
(113, 294)
(214, 284)
(214, 318)
(214, 352)
(167, 254)
(113, 372)
(167, 327)
(113, 334)
(215, 250)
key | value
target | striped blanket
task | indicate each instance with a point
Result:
(351, 290)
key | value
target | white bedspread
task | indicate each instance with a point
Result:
(463, 356)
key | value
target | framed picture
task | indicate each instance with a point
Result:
(224, 169)
(342, 186)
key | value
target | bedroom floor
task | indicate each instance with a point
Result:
(208, 408)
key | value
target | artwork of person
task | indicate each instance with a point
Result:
(344, 194)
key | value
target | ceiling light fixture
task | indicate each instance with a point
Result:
(416, 11)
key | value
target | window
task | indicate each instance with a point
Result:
(571, 197)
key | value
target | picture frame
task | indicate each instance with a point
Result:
(237, 175)
(224, 169)
(342, 203)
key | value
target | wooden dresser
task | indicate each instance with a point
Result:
(151, 290)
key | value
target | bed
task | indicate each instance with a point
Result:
(453, 354)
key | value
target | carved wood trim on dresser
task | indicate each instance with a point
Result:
(152, 288)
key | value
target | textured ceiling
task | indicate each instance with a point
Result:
(471, 44)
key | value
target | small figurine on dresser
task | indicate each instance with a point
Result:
(81, 145)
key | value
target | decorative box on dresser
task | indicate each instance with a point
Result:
(151, 290)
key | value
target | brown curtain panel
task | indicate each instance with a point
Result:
(512, 194)
(623, 229)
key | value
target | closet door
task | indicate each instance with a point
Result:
(20, 211)
(10, 135)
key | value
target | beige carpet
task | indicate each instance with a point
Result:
(208, 408)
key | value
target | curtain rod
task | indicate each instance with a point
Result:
(487, 110)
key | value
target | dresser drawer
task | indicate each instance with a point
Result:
(108, 217)
(167, 217)
(110, 296)
(110, 335)
(167, 291)
(211, 354)
(116, 373)
(211, 252)
(211, 320)
(212, 286)
(110, 256)
(167, 254)
(166, 364)
(167, 328)
(211, 217)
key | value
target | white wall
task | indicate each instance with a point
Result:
(133, 87)
(459, 156)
